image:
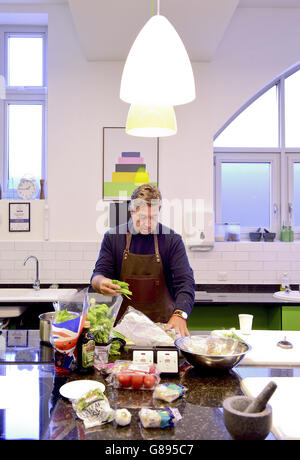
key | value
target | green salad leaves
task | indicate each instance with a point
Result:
(115, 346)
(93, 395)
(63, 315)
(101, 324)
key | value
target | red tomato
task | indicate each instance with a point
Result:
(149, 381)
(152, 370)
(124, 380)
(137, 381)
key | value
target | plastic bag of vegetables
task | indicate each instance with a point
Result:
(93, 408)
(102, 317)
(66, 329)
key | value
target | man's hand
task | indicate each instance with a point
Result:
(179, 324)
(104, 285)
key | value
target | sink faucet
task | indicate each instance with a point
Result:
(36, 284)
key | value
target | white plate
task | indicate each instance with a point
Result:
(292, 295)
(75, 389)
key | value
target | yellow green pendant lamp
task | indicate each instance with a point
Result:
(151, 121)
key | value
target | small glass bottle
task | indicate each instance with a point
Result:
(85, 350)
(285, 234)
(291, 233)
(285, 284)
(233, 232)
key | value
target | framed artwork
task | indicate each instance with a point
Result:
(19, 217)
(128, 161)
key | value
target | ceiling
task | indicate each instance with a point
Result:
(107, 29)
(269, 3)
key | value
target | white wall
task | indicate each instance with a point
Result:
(84, 96)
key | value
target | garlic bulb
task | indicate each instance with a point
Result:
(122, 417)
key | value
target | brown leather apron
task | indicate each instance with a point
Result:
(144, 273)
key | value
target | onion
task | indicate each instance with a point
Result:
(122, 417)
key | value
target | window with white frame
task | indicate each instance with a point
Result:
(23, 105)
(257, 160)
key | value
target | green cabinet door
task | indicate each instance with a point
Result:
(290, 318)
(209, 317)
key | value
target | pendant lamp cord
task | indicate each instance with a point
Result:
(158, 7)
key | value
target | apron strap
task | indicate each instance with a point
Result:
(156, 248)
(128, 241)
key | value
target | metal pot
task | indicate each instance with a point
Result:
(45, 326)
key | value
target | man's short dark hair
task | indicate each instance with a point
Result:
(145, 194)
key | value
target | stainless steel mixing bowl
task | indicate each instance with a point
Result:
(236, 348)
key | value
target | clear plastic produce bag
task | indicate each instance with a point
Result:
(102, 314)
(70, 315)
(141, 330)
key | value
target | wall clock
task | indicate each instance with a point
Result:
(28, 189)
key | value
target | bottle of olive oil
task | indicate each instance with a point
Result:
(86, 350)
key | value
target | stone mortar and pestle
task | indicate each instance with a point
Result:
(249, 418)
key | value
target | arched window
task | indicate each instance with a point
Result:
(257, 160)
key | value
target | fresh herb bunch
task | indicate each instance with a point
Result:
(124, 288)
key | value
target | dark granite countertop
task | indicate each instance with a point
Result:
(200, 408)
(32, 398)
(202, 417)
(26, 371)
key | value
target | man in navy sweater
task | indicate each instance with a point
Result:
(152, 259)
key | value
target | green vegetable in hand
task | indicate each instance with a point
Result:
(63, 315)
(124, 288)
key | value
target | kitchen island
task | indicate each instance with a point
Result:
(31, 406)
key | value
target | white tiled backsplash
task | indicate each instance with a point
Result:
(226, 263)
(247, 263)
(59, 262)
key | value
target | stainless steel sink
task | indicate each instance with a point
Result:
(28, 296)
(33, 295)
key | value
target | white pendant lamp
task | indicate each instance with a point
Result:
(145, 121)
(157, 71)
